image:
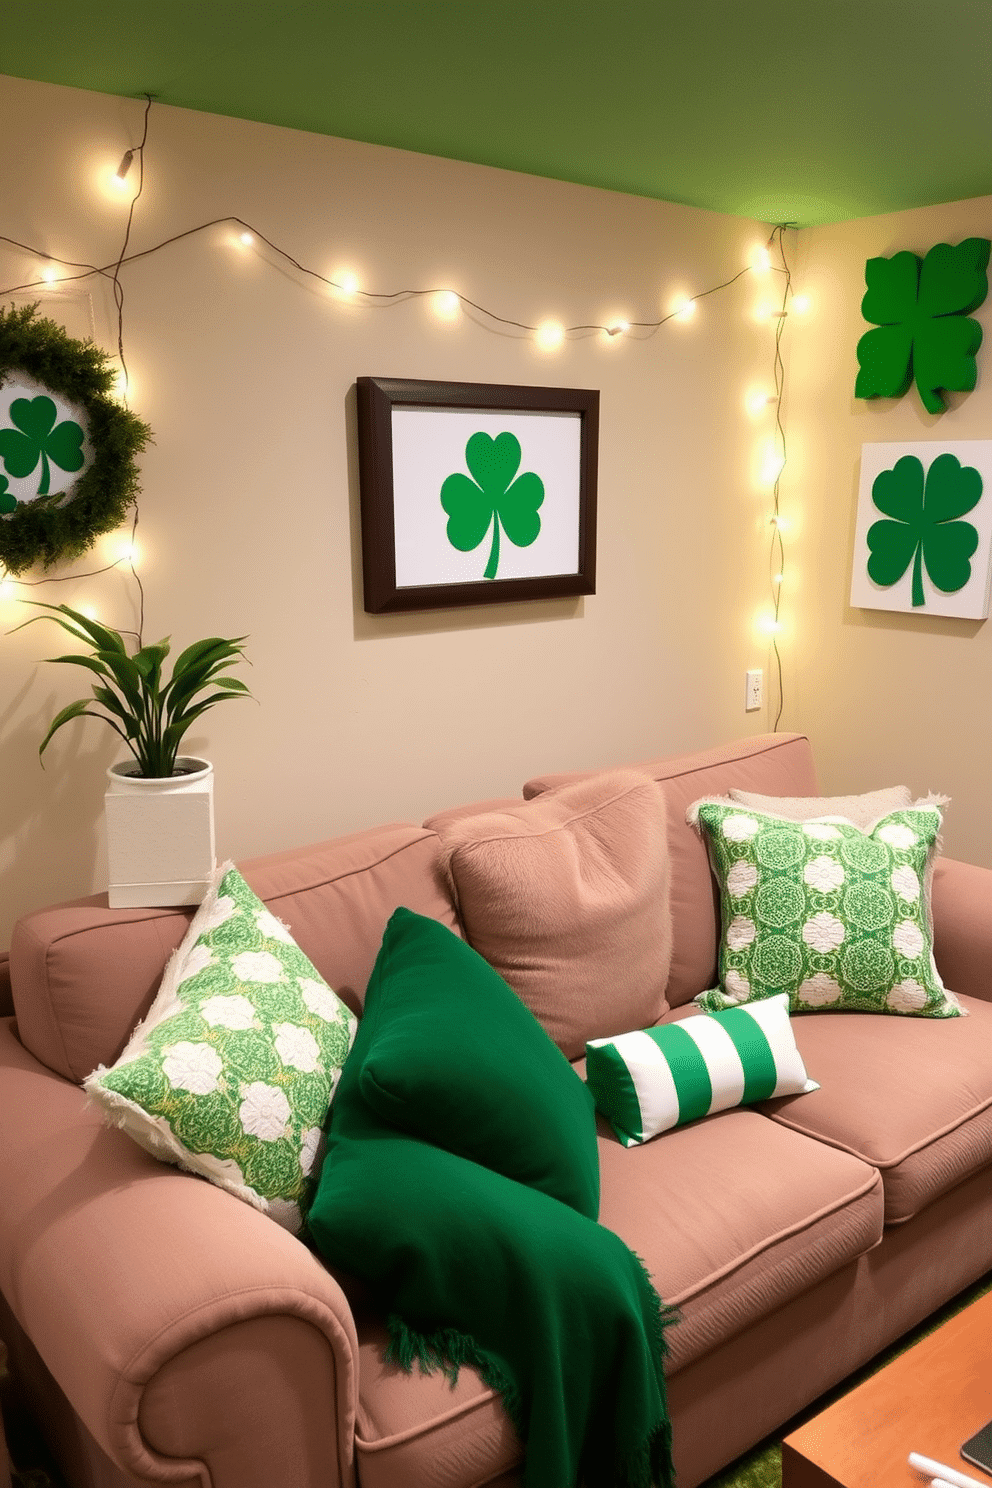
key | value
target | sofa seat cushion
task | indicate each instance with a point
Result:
(423, 1431)
(910, 1096)
(733, 1222)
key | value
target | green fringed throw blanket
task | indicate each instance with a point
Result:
(473, 1265)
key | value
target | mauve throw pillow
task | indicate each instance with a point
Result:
(567, 897)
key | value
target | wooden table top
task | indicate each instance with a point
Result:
(929, 1399)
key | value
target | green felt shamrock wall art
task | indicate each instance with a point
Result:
(68, 450)
(924, 537)
(920, 310)
(494, 498)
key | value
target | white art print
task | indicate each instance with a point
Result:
(484, 495)
(923, 540)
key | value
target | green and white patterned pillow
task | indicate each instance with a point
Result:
(837, 917)
(231, 1073)
(647, 1082)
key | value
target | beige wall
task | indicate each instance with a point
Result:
(884, 696)
(249, 515)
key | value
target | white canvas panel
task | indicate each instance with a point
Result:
(971, 601)
(429, 445)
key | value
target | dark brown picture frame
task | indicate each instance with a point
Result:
(377, 397)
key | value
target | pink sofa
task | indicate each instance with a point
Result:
(168, 1333)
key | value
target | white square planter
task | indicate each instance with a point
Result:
(160, 835)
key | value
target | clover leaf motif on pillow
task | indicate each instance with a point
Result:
(232, 1072)
(835, 916)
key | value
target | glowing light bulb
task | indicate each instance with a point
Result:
(50, 273)
(768, 625)
(246, 238)
(446, 304)
(777, 578)
(800, 303)
(757, 400)
(6, 587)
(347, 285)
(88, 610)
(686, 310)
(761, 260)
(121, 172)
(549, 335)
(618, 328)
(772, 465)
(781, 524)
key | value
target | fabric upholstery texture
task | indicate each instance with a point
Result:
(766, 762)
(233, 1070)
(454, 1057)
(862, 810)
(647, 1082)
(838, 918)
(58, 955)
(739, 1242)
(867, 1065)
(567, 897)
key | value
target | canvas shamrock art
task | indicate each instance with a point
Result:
(923, 541)
(475, 493)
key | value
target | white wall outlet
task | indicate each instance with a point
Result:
(753, 690)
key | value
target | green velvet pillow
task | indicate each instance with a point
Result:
(447, 1052)
(837, 917)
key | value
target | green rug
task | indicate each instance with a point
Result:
(762, 1466)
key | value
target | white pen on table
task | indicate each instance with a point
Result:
(941, 1475)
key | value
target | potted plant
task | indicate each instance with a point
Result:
(160, 834)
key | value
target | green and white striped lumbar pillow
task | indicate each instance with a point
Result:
(650, 1081)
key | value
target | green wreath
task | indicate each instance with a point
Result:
(41, 530)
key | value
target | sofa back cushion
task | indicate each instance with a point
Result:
(84, 975)
(567, 897)
(775, 764)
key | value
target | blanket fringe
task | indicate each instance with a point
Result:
(447, 1349)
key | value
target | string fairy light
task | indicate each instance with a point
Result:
(771, 624)
(549, 335)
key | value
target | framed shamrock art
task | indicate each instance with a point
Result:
(923, 541)
(475, 493)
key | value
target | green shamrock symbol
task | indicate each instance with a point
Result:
(38, 436)
(920, 310)
(493, 496)
(924, 529)
(8, 501)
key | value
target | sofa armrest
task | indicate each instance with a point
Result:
(961, 897)
(196, 1340)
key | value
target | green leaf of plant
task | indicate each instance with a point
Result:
(200, 650)
(78, 709)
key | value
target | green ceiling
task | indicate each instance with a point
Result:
(805, 112)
